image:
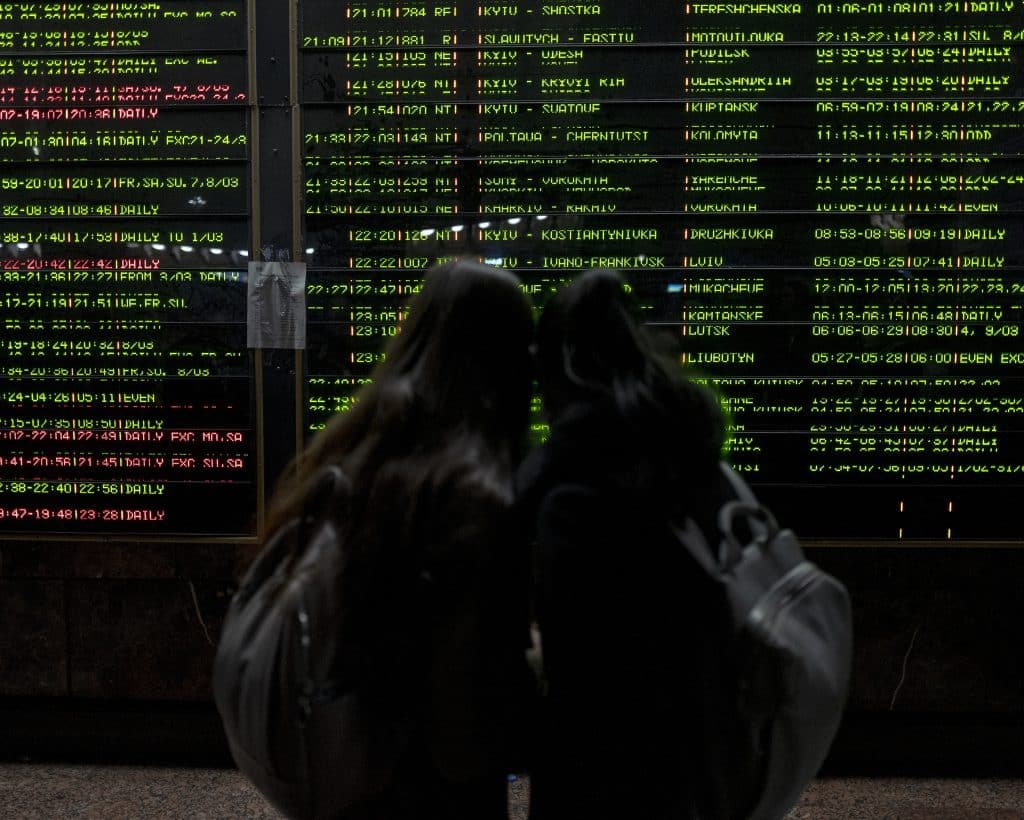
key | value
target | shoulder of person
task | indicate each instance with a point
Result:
(577, 442)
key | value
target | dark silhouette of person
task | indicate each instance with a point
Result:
(439, 572)
(633, 444)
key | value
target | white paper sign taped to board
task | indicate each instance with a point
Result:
(277, 305)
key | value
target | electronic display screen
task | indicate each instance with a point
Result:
(821, 201)
(126, 389)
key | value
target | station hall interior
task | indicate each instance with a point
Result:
(213, 214)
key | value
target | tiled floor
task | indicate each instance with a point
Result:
(120, 793)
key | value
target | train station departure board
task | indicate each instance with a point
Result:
(821, 201)
(126, 401)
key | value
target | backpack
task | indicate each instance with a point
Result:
(776, 668)
(300, 734)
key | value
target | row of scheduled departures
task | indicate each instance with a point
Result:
(660, 72)
(920, 187)
(906, 244)
(339, 24)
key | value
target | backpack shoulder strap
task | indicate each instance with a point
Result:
(692, 539)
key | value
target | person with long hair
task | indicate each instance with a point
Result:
(438, 574)
(633, 445)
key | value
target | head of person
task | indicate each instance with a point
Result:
(459, 368)
(461, 360)
(591, 345)
(594, 350)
